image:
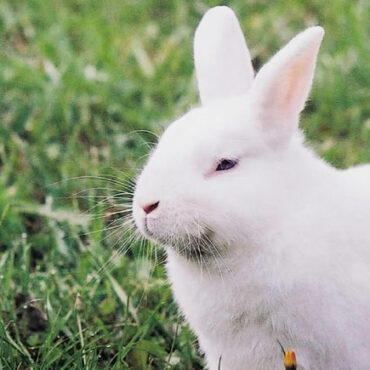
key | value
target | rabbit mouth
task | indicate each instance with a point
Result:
(198, 245)
(146, 228)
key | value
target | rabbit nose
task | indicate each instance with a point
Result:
(148, 208)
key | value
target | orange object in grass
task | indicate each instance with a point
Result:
(290, 361)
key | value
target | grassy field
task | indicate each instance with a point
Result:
(83, 83)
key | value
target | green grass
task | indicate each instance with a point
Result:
(80, 83)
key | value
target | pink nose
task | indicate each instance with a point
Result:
(150, 207)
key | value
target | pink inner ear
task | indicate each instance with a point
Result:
(297, 81)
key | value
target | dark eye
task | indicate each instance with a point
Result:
(226, 164)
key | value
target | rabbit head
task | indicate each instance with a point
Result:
(226, 167)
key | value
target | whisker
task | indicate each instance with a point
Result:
(90, 177)
(116, 254)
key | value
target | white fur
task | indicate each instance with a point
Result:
(290, 253)
(222, 62)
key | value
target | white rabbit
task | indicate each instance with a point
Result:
(265, 241)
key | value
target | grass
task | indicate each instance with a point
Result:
(81, 85)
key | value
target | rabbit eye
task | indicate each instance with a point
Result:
(226, 164)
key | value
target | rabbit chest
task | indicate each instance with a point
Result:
(234, 318)
(241, 317)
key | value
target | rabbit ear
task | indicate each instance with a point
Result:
(222, 60)
(283, 84)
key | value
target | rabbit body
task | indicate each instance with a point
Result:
(304, 282)
(266, 242)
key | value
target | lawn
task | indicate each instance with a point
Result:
(85, 88)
